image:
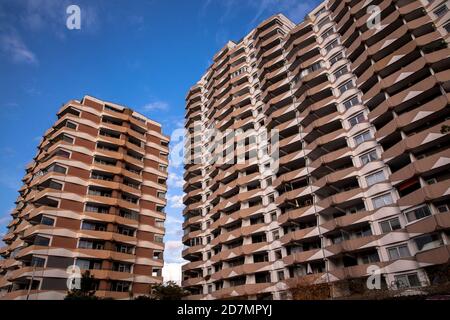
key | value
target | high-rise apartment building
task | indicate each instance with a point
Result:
(92, 199)
(358, 94)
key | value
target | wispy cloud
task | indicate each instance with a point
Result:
(4, 220)
(12, 46)
(175, 201)
(172, 251)
(175, 180)
(172, 272)
(170, 219)
(156, 106)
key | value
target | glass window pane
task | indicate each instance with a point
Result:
(393, 254)
(404, 251)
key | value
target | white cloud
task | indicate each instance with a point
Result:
(176, 201)
(172, 272)
(12, 45)
(175, 180)
(172, 244)
(173, 220)
(172, 251)
(156, 105)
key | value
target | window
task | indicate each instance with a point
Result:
(390, 225)
(130, 198)
(370, 258)
(327, 33)
(121, 267)
(71, 125)
(109, 108)
(271, 198)
(323, 22)
(346, 86)
(47, 221)
(126, 231)
(442, 208)
(37, 262)
(332, 45)
(340, 72)
(320, 11)
(55, 185)
(407, 281)
(442, 10)
(278, 255)
(353, 121)
(273, 216)
(276, 235)
(159, 223)
(336, 58)
(259, 238)
(369, 157)
(428, 241)
(447, 27)
(62, 153)
(64, 137)
(124, 249)
(161, 194)
(156, 272)
(100, 192)
(268, 182)
(157, 255)
(280, 275)
(56, 168)
(164, 155)
(418, 213)
(381, 201)
(398, 252)
(84, 264)
(97, 209)
(362, 137)
(263, 277)
(41, 241)
(353, 101)
(375, 178)
(85, 244)
(120, 286)
(158, 238)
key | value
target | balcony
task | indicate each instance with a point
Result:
(352, 245)
(438, 255)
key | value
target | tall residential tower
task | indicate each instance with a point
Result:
(357, 96)
(92, 199)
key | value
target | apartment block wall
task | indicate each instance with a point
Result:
(93, 197)
(362, 177)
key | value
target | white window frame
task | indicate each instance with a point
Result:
(383, 196)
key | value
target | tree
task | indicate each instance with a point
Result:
(167, 291)
(86, 291)
(310, 288)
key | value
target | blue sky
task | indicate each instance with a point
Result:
(144, 54)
